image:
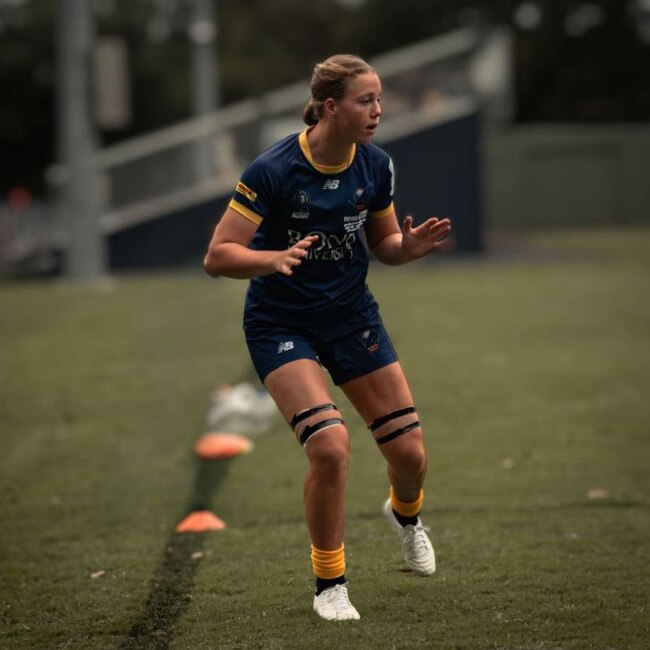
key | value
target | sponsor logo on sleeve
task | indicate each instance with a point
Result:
(246, 191)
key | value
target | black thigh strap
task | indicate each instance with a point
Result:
(375, 424)
(397, 432)
(311, 429)
(299, 417)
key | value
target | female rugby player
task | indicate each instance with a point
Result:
(293, 227)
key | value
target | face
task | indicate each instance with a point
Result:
(357, 113)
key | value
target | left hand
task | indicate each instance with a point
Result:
(425, 238)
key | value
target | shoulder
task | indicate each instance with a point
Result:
(274, 159)
(376, 159)
(374, 153)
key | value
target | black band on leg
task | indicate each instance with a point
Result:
(299, 417)
(398, 432)
(375, 424)
(311, 429)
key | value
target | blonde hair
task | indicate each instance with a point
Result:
(330, 79)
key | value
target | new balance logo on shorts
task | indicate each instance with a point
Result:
(285, 346)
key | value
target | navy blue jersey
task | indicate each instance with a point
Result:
(289, 196)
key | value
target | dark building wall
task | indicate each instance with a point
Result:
(437, 174)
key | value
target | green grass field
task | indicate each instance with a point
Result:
(531, 373)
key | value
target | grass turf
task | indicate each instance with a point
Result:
(530, 373)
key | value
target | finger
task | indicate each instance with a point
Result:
(305, 243)
(441, 237)
(440, 226)
(297, 255)
(431, 222)
(442, 223)
(425, 226)
(407, 223)
(289, 264)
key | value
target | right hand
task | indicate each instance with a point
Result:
(286, 260)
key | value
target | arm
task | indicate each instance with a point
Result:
(393, 246)
(229, 255)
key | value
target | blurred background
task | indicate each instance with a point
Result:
(124, 124)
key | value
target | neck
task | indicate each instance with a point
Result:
(326, 148)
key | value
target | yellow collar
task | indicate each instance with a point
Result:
(324, 169)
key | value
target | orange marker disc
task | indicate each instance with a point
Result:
(212, 446)
(200, 521)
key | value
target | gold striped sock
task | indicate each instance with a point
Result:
(328, 564)
(406, 509)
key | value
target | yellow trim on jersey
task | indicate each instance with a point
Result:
(324, 169)
(380, 214)
(245, 212)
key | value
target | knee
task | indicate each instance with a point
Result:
(400, 439)
(329, 451)
(408, 454)
(413, 456)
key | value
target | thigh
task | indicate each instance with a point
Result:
(379, 392)
(302, 394)
(298, 386)
(384, 400)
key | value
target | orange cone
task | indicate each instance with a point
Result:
(200, 521)
(215, 445)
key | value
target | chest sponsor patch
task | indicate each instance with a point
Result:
(354, 222)
(246, 191)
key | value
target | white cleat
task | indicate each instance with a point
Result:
(418, 551)
(333, 604)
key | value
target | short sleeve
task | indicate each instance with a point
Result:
(255, 192)
(382, 204)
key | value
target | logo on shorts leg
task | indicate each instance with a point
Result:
(369, 340)
(285, 346)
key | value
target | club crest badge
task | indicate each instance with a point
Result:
(301, 200)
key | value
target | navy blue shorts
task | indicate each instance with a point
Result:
(345, 354)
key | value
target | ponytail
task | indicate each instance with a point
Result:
(310, 113)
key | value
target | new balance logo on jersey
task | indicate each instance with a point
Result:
(331, 184)
(285, 346)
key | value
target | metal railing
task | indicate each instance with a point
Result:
(196, 160)
(203, 157)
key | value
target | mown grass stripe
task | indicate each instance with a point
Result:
(173, 581)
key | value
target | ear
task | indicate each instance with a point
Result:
(330, 107)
